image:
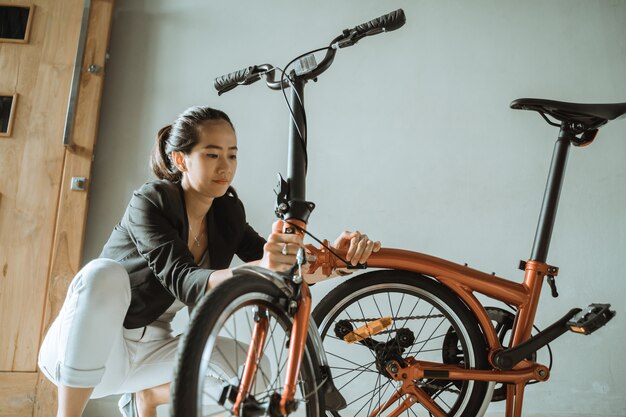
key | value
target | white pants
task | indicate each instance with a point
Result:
(87, 345)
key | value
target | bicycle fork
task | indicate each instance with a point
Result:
(297, 342)
(253, 357)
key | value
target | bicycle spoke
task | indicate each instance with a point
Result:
(389, 384)
(433, 332)
(280, 370)
(394, 315)
(371, 392)
(344, 359)
(369, 409)
(234, 338)
(360, 373)
(382, 315)
(225, 359)
(423, 342)
(365, 368)
(439, 398)
(279, 359)
(417, 336)
(411, 312)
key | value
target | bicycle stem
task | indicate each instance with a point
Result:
(296, 170)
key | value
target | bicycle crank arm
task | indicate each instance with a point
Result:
(508, 358)
(579, 321)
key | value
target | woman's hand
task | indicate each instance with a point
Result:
(359, 246)
(279, 253)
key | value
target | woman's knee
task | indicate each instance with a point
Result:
(103, 277)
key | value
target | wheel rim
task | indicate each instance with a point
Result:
(225, 352)
(397, 300)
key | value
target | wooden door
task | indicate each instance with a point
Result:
(41, 219)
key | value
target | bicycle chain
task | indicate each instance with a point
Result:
(432, 316)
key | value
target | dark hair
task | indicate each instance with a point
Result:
(180, 136)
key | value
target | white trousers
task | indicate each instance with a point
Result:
(87, 345)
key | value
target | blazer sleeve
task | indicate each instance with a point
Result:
(251, 244)
(150, 226)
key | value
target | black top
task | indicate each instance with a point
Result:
(150, 242)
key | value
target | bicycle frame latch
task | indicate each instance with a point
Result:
(281, 191)
(548, 270)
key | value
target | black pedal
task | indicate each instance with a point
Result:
(591, 319)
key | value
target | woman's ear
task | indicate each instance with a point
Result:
(178, 159)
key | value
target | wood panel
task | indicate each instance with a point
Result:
(72, 212)
(42, 222)
(17, 393)
(33, 165)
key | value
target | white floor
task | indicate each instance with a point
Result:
(107, 407)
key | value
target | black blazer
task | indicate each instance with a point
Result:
(151, 243)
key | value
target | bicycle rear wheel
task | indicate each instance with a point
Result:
(430, 323)
(213, 351)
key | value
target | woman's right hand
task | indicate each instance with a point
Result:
(279, 253)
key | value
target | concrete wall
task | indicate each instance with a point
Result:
(411, 139)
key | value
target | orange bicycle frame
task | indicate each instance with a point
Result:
(465, 281)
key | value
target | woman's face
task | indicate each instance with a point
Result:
(212, 163)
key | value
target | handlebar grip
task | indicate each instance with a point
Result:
(229, 81)
(390, 21)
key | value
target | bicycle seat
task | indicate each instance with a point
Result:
(590, 115)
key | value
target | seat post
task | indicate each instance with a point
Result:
(551, 196)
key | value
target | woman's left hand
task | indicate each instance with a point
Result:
(359, 246)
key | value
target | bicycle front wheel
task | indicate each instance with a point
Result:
(429, 323)
(213, 353)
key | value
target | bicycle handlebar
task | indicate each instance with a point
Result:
(386, 23)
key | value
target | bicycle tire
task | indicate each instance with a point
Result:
(365, 295)
(199, 348)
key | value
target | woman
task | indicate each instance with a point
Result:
(174, 243)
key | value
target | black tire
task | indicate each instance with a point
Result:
(446, 332)
(207, 351)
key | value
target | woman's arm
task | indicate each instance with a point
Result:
(279, 254)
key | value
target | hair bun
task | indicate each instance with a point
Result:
(164, 133)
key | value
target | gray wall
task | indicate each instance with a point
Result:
(411, 139)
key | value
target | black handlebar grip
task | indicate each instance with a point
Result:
(229, 81)
(390, 21)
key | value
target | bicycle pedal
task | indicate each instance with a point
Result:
(591, 319)
(368, 330)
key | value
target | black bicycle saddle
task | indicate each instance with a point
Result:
(590, 115)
